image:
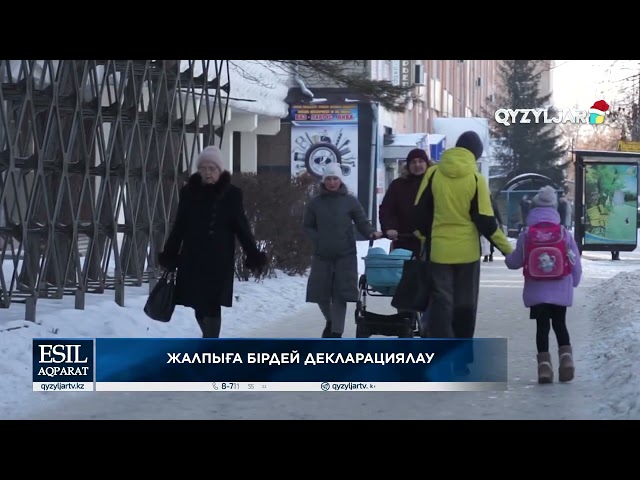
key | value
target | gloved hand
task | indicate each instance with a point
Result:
(256, 262)
(168, 261)
(391, 234)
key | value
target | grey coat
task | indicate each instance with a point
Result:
(328, 220)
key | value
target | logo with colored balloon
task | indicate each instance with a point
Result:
(597, 112)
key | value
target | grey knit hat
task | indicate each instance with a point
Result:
(211, 154)
(546, 197)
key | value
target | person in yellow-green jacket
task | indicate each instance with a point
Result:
(452, 209)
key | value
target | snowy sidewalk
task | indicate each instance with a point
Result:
(500, 314)
(605, 337)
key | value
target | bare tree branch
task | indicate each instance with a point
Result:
(249, 77)
(601, 138)
(624, 114)
(349, 74)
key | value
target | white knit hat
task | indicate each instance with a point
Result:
(211, 154)
(332, 170)
(546, 197)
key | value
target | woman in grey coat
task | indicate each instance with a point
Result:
(328, 220)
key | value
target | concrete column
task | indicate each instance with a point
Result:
(267, 126)
(241, 122)
(248, 152)
(244, 122)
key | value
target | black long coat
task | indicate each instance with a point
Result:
(209, 219)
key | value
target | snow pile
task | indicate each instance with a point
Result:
(615, 340)
(255, 86)
(255, 304)
(266, 87)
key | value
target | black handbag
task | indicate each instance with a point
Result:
(160, 304)
(412, 292)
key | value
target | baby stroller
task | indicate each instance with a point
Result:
(383, 272)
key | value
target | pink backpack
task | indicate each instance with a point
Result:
(547, 255)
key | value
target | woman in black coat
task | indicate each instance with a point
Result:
(201, 245)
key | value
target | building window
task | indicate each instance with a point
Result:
(386, 69)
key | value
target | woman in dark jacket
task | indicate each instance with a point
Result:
(396, 211)
(329, 220)
(202, 242)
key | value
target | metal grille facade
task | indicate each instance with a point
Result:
(92, 156)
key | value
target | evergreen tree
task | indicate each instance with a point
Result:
(526, 147)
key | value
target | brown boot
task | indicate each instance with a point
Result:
(545, 369)
(566, 369)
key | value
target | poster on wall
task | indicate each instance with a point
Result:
(611, 203)
(322, 134)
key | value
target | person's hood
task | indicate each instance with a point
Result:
(457, 162)
(543, 214)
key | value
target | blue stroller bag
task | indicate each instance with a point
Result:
(384, 270)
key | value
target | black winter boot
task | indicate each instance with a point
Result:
(326, 333)
(210, 326)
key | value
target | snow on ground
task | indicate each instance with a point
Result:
(615, 297)
(255, 304)
(615, 355)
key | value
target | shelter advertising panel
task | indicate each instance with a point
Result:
(610, 203)
(322, 134)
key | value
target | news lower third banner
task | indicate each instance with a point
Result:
(221, 365)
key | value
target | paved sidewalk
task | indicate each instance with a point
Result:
(501, 313)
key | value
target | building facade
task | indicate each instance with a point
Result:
(443, 88)
(94, 152)
(357, 132)
(257, 104)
